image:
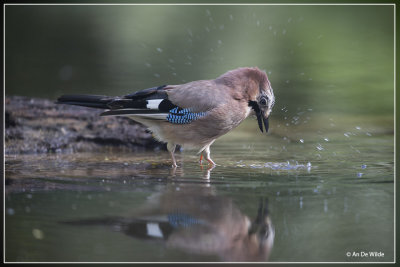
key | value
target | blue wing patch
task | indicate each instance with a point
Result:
(183, 116)
(182, 220)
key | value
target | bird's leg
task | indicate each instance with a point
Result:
(171, 148)
(201, 157)
(207, 156)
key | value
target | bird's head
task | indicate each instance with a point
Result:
(253, 86)
(262, 99)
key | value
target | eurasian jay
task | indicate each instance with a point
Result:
(193, 114)
(197, 222)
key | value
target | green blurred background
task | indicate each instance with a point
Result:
(332, 59)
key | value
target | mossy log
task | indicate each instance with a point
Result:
(34, 125)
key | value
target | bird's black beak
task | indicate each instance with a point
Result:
(261, 218)
(259, 119)
(260, 116)
(266, 124)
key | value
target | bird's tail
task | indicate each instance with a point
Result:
(92, 101)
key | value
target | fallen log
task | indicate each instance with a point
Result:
(34, 125)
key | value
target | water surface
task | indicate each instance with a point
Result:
(326, 196)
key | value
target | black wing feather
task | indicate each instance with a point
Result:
(135, 103)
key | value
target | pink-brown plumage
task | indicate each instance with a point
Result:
(220, 105)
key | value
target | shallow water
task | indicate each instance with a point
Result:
(326, 167)
(322, 203)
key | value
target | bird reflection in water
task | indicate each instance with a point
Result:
(195, 220)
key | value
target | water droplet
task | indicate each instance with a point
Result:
(326, 139)
(363, 166)
(358, 127)
(157, 75)
(221, 27)
(301, 141)
(10, 211)
(159, 50)
(359, 174)
(320, 147)
(148, 65)
(231, 17)
(38, 234)
(325, 205)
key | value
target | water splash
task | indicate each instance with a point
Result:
(278, 166)
(286, 166)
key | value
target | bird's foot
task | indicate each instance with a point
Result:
(211, 162)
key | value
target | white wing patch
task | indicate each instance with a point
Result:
(153, 103)
(153, 229)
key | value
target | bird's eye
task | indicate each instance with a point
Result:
(263, 101)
